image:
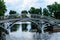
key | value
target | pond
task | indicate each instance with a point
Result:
(28, 35)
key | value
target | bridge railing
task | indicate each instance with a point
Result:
(25, 16)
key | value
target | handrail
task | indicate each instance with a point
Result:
(25, 15)
(21, 16)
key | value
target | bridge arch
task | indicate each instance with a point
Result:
(37, 21)
(36, 18)
(28, 20)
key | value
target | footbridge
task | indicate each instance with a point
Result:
(8, 21)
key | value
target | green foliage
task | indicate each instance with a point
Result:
(38, 11)
(45, 12)
(24, 27)
(12, 12)
(57, 15)
(24, 12)
(2, 8)
(35, 10)
(14, 28)
(54, 8)
(32, 10)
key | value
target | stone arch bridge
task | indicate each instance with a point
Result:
(8, 21)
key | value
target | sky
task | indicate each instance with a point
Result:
(19, 5)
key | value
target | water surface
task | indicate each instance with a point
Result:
(26, 35)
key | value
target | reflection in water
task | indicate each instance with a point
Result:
(24, 27)
(29, 27)
(20, 29)
(21, 35)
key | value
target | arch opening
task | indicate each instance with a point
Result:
(32, 21)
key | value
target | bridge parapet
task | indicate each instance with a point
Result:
(26, 16)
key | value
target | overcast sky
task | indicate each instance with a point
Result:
(19, 5)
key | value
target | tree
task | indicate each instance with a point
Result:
(32, 10)
(57, 15)
(24, 12)
(2, 7)
(45, 12)
(12, 12)
(38, 11)
(35, 10)
(54, 8)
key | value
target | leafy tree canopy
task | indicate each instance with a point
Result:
(24, 12)
(35, 10)
(54, 8)
(12, 12)
(32, 10)
(45, 12)
(2, 7)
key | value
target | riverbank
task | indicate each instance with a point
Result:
(56, 30)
